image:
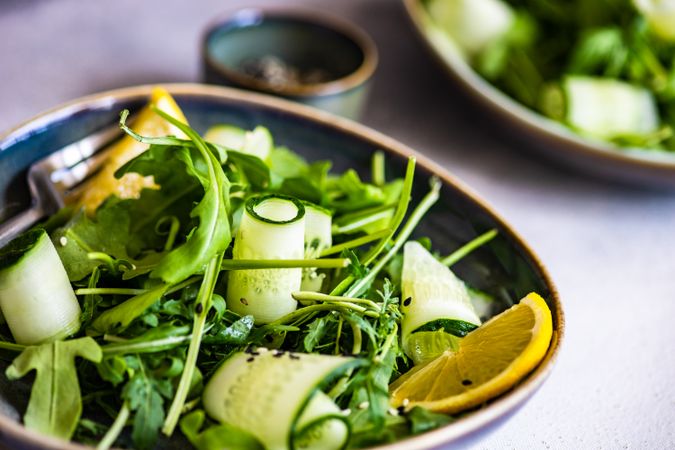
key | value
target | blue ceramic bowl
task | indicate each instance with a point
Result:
(506, 267)
(254, 48)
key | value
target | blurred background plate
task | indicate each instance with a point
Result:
(635, 166)
(506, 267)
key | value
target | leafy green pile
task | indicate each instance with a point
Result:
(150, 276)
(548, 42)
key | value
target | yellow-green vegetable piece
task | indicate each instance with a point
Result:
(55, 404)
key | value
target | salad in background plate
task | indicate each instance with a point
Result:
(603, 68)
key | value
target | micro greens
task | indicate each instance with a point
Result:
(152, 274)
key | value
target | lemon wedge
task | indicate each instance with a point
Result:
(487, 362)
(147, 123)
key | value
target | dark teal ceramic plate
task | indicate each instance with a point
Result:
(506, 267)
(635, 166)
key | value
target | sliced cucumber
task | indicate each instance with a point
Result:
(434, 299)
(472, 24)
(608, 108)
(226, 135)
(660, 15)
(277, 397)
(318, 237)
(424, 346)
(36, 297)
(322, 425)
(257, 142)
(272, 227)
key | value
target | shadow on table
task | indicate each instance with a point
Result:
(12, 5)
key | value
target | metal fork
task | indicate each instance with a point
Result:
(53, 179)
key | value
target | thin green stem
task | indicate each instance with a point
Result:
(109, 291)
(115, 429)
(338, 335)
(103, 258)
(11, 346)
(174, 227)
(419, 212)
(358, 337)
(388, 342)
(248, 264)
(346, 218)
(343, 285)
(157, 345)
(163, 140)
(358, 242)
(399, 215)
(362, 222)
(112, 338)
(469, 247)
(183, 284)
(378, 173)
(203, 304)
(125, 291)
(300, 313)
(318, 297)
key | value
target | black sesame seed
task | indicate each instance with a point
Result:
(243, 301)
(467, 382)
(199, 308)
(293, 356)
(251, 359)
(407, 301)
(278, 355)
(400, 409)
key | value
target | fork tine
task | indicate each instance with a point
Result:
(68, 177)
(72, 154)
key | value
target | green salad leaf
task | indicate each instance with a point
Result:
(216, 437)
(55, 404)
(152, 274)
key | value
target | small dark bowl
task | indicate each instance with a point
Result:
(334, 58)
(506, 267)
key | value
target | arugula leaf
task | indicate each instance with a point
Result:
(106, 233)
(216, 437)
(145, 396)
(113, 369)
(120, 316)
(212, 235)
(254, 169)
(55, 405)
(292, 175)
(285, 163)
(315, 331)
(235, 334)
(348, 193)
(423, 420)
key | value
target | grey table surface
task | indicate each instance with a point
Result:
(610, 248)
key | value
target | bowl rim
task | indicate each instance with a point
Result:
(526, 118)
(330, 22)
(462, 427)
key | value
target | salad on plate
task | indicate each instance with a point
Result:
(222, 290)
